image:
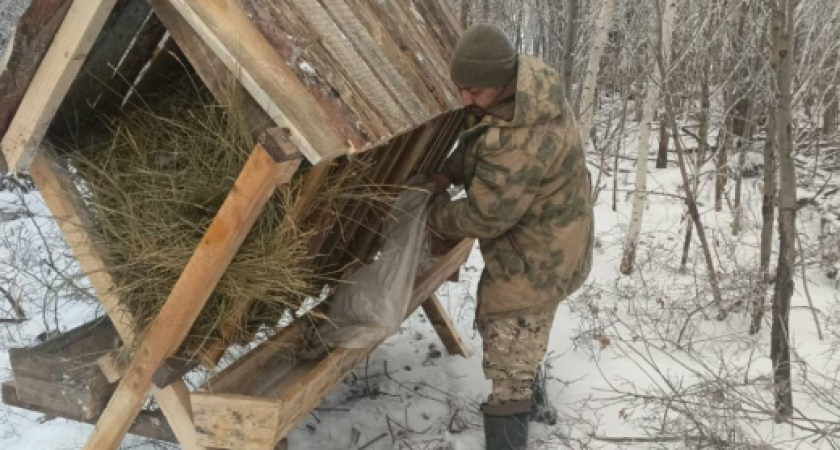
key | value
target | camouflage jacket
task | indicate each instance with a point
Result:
(528, 198)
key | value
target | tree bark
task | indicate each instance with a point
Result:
(465, 13)
(690, 199)
(743, 145)
(599, 42)
(830, 115)
(651, 103)
(783, 33)
(486, 11)
(572, 18)
(722, 163)
(702, 146)
(662, 155)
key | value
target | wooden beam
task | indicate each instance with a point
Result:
(301, 386)
(57, 71)
(30, 39)
(64, 202)
(444, 328)
(149, 424)
(226, 28)
(255, 184)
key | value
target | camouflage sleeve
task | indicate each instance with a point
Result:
(505, 183)
(453, 168)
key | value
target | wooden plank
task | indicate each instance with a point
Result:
(227, 30)
(302, 387)
(78, 399)
(444, 328)
(236, 421)
(73, 218)
(64, 201)
(312, 181)
(149, 424)
(304, 395)
(62, 62)
(29, 42)
(252, 189)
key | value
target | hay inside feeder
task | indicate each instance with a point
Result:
(155, 178)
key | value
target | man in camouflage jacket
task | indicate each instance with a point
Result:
(529, 204)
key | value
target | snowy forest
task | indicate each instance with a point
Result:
(711, 318)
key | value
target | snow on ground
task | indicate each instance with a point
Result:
(640, 357)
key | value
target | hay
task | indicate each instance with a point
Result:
(155, 178)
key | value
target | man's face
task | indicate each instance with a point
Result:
(478, 99)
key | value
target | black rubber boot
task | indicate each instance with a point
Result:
(506, 426)
(542, 410)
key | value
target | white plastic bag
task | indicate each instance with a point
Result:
(373, 302)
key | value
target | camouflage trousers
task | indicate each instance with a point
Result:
(514, 347)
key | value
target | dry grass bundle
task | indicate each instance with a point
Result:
(155, 180)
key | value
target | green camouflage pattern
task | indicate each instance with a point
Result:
(513, 350)
(528, 198)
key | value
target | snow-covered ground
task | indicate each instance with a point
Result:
(636, 361)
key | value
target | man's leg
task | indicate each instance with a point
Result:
(513, 350)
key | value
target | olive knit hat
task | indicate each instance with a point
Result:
(483, 57)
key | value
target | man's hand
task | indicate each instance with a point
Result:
(441, 182)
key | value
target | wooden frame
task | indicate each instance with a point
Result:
(219, 40)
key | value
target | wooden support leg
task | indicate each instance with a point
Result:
(258, 180)
(73, 218)
(445, 329)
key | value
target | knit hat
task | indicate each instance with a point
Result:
(483, 57)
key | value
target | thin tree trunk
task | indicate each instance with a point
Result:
(596, 52)
(830, 115)
(722, 164)
(691, 202)
(743, 145)
(465, 13)
(572, 18)
(783, 19)
(619, 144)
(702, 148)
(662, 155)
(640, 198)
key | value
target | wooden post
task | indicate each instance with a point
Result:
(222, 407)
(57, 71)
(255, 184)
(444, 328)
(64, 201)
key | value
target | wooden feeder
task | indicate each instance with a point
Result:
(325, 79)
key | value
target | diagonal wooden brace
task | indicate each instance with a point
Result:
(255, 184)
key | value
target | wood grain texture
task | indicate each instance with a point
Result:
(301, 386)
(53, 78)
(64, 202)
(227, 30)
(444, 328)
(30, 40)
(252, 189)
(148, 424)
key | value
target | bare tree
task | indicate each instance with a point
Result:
(651, 104)
(572, 19)
(783, 33)
(596, 51)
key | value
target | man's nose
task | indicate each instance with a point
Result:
(466, 98)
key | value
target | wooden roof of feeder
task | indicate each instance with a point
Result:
(326, 77)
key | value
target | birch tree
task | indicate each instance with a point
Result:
(651, 105)
(596, 51)
(783, 30)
